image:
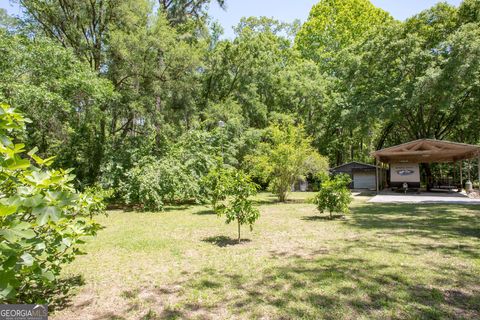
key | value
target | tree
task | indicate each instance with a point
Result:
(154, 69)
(238, 206)
(82, 25)
(334, 194)
(8, 22)
(62, 96)
(406, 81)
(469, 11)
(152, 183)
(246, 70)
(334, 25)
(43, 219)
(419, 77)
(284, 156)
(179, 11)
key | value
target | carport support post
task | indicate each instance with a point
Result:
(376, 173)
(461, 176)
(478, 172)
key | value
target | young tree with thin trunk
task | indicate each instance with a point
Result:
(237, 188)
(285, 156)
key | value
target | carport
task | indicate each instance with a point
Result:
(426, 151)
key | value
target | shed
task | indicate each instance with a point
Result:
(362, 174)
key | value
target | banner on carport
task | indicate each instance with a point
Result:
(404, 172)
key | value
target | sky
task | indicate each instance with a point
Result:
(289, 10)
(285, 10)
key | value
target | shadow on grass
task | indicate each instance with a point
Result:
(109, 316)
(176, 208)
(357, 287)
(327, 218)
(206, 212)
(433, 221)
(344, 281)
(332, 287)
(272, 199)
(224, 241)
(62, 292)
(266, 201)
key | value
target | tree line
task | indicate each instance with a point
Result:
(114, 88)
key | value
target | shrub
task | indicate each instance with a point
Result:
(43, 218)
(334, 194)
(174, 178)
(152, 183)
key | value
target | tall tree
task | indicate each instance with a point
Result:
(82, 25)
(248, 69)
(154, 67)
(421, 75)
(334, 25)
(61, 95)
(179, 11)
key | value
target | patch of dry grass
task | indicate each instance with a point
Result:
(381, 261)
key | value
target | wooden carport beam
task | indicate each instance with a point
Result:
(427, 151)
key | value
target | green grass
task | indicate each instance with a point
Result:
(380, 262)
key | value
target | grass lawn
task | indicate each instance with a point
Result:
(380, 262)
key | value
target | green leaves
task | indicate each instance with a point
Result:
(334, 25)
(334, 194)
(46, 213)
(45, 162)
(26, 259)
(229, 191)
(18, 231)
(42, 217)
(287, 155)
(6, 210)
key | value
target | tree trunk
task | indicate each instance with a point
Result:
(239, 239)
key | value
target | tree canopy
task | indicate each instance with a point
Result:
(334, 25)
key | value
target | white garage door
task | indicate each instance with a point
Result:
(364, 180)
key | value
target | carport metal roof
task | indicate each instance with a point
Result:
(427, 151)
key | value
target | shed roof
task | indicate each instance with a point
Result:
(427, 151)
(354, 164)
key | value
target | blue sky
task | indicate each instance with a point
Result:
(286, 10)
(289, 10)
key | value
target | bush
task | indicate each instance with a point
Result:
(334, 194)
(174, 178)
(152, 183)
(43, 218)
